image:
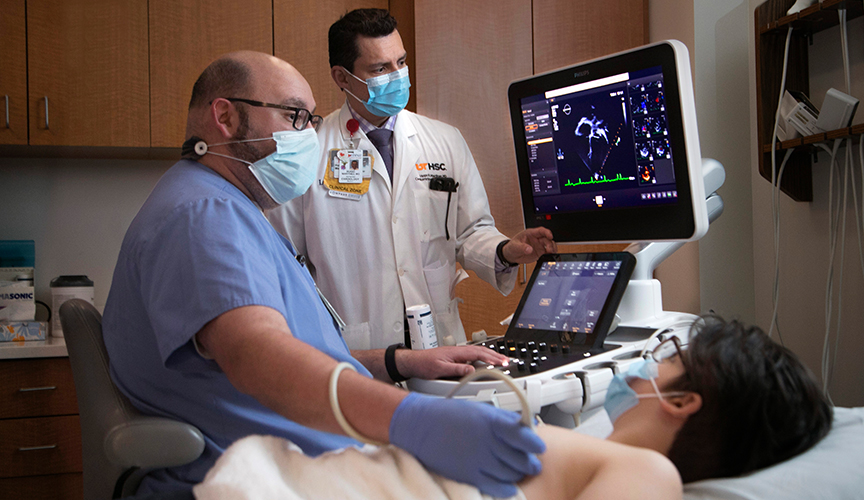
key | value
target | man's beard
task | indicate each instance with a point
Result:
(246, 151)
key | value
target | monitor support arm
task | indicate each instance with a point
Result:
(642, 302)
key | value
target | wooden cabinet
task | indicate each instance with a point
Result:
(184, 38)
(88, 73)
(772, 25)
(13, 73)
(120, 74)
(300, 37)
(40, 433)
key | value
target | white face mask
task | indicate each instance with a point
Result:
(287, 173)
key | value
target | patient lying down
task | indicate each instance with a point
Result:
(730, 402)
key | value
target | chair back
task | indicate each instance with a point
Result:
(117, 439)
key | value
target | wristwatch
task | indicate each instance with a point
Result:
(499, 251)
(390, 363)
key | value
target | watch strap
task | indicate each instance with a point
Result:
(390, 363)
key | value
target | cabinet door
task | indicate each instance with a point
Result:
(187, 36)
(88, 74)
(302, 41)
(13, 73)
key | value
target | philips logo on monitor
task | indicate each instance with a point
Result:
(580, 74)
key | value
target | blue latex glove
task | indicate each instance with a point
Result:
(474, 443)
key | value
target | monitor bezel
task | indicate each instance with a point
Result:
(683, 220)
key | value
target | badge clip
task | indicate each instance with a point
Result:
(353, 126)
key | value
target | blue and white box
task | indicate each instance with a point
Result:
(17, 293)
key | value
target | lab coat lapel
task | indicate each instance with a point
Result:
(406, 152)
(363, 142)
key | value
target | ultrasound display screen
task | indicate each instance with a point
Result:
(568, 296)
(600, 144)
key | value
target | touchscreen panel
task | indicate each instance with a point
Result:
(568, 296)
(571, 299)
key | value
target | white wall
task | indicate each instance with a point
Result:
(804, 237)
(736, 256)
(679, 274)
(77, 211)
(722, 103)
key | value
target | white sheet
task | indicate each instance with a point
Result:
(266, 468)
(261, 467)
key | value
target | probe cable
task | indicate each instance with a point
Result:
(337, 411)
(527, 418)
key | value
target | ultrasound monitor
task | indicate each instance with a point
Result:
(608, 151)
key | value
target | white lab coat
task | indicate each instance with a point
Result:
(375, 256)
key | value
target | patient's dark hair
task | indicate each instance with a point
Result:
(760, 404)
(342, 37)
(224, 77)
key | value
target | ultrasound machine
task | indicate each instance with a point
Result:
(607, 152)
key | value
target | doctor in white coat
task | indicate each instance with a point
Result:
(390, 238)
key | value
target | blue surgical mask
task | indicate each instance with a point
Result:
(287, 173)
(388, 94)
(620, 397)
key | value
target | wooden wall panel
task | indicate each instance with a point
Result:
(300, 37)
(187, 36)
(13, 76)
(89, 58)
(570, 31)
(403, 11)
(467, 55)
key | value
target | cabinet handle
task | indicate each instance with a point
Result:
(33, 389)
(46, 113)
(34, 448)
(7, 110)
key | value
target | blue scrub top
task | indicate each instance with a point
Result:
(198, 248)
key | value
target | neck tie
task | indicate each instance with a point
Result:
(382, 138)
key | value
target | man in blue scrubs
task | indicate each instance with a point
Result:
(212, 321)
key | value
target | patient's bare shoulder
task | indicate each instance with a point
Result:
(584, 467)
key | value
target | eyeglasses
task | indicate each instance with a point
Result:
(302, 117)
(668, 349)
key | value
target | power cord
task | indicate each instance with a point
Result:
(775, 186)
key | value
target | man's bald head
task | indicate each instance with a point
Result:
(224, 77)
(240, 131)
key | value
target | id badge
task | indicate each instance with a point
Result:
(350, 166)
(367, 164)
(346, 173)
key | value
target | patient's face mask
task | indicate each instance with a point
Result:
(388, 94)
(287, 173)
(620, 397)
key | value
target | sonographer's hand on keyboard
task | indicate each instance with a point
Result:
(470, 442)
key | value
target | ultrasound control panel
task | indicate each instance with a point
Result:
(530, 357)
